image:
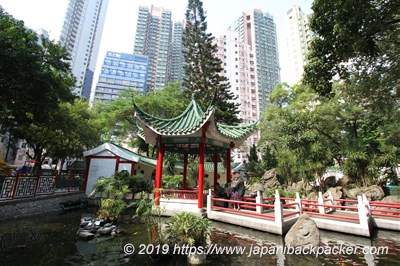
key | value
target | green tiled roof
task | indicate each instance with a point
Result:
(236, 132)
(188, 122)
(143, 159)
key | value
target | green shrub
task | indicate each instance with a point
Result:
(172, 181)
(187, 228)
(111, 208)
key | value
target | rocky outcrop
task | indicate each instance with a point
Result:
(392, 199)
(304, 233)
(336, 192)
(301, 185)
(268, 180)
(373, 193)
(313, 195)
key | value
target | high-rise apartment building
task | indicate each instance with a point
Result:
(237, 58)
(81, 35)
(153, 38)
(177, 59)
(257, 30)
(121, 71)
(298, 42)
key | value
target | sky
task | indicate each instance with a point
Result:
(120, 24)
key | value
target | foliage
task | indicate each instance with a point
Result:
(111, 208)
(36, 103)
(203, 79)
(138, 183)
(121, 183)
(116, 118)
(100, 184)
(353, 129)
(34, 73)
(186, 228)
(270, 193)
(253, 165)
(169, 162)
(150, 214)
(395, 191)
(172, 181)
(76, 130)
(354, 36)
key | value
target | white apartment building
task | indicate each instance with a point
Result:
(238, 63)
(81, 35)
(298, 42)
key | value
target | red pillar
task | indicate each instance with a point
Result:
(159, 167)
(133, 165)
(117, 164)
(201, 176)
(88, 159)
(228, 165)
(185, 161)
(215, 173)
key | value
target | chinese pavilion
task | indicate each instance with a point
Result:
(194, 131)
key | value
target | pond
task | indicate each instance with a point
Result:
(51, 240)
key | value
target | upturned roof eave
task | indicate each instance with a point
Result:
(151, 132)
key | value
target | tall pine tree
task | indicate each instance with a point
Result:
(203, 68)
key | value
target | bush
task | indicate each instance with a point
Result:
(188, 229)
(111, 208)
(172, 181)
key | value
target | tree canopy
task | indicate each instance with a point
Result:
(34, 73)
(354, 36)
(203, 69)
(309, 133)
(36, 103)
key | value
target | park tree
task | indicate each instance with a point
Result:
(255, 166)
(35, 78)
(357, 42)
(203, 69)
(76, 129)
(309, 132)
(354, 37)
(117, 117)
(34, 73)
(69, 131)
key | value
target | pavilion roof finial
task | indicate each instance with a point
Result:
(193, 96)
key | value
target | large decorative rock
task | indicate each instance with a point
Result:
(85, 235)
(304, 233)
(106, 230)
(392, 199)
(372, 193)
(196, 259)
(268, 180)
(313, 195)
(336, 192)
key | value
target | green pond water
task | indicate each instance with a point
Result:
(51, 240)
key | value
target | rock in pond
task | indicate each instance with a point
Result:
(106, 230)
(304, 233)
(85, 235)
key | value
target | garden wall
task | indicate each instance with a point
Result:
(18, 208)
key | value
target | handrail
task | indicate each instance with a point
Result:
(179, 194)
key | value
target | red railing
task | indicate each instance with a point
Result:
(248, 206)
(243, 204)
(386, 209)
(179, 194)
